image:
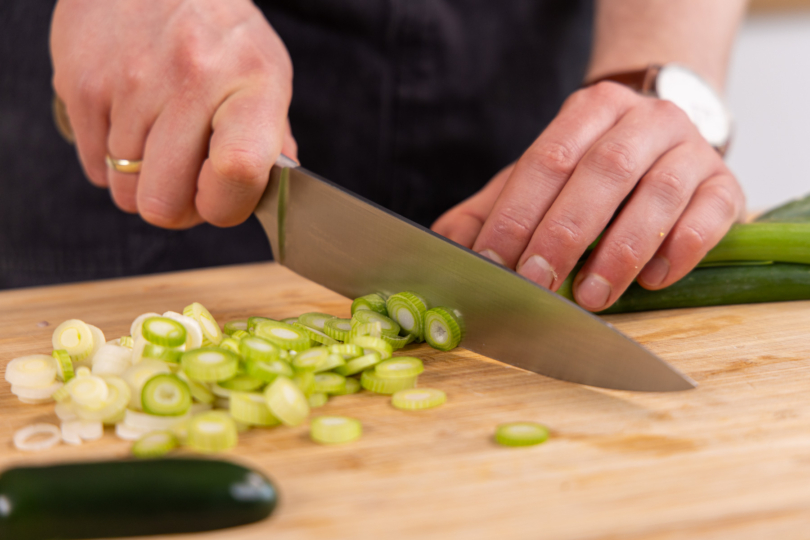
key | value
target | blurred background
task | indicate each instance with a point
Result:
(768, 93)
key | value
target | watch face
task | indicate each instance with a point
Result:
(697, 98)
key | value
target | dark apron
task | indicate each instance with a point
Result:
(413, 104)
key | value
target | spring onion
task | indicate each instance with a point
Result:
(352, 386)
(231, 344)
(372, 302)
(113, 406)
(129, 433)
(286, 401)
(283, 335)
(64, 365)
(521, 434)
(163, 331)
(111, 359)
(137, 375)
(387, 324)
(199, 391)
(316, 335)
(310, 360)
(210, 364)
(36, 394)
(75, 337)
(415, 399)
(374, 383)
(290, 320)
(444, 328)
(33, 370)
(126, 341)
(267, 371)
(232, 326)
(210, 328)
(356, 365)
(335, 429)
(254, 321)
(241, 383)
(338, 329)
(90, 392)
(170, 355)
(329, 383)
(154, 444)
(239, 335)
(194, 333)
(212, 431)
(166, 395)
(314, 320)
(397, 342)
(305, 381)
(371, 344)
(251, 408)
(257, 348)
(408, 309)
(135, 328)
(399, 367)
(346, 350)
(318, 399)
(37, 437)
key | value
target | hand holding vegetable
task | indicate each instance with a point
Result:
(198, 90)
(607, 144)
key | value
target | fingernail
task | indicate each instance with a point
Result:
(655, 271)
(492, 256)
(593, 292)
(537, 269)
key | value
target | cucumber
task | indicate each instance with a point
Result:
(719, 286)
(795, 211)
(130, 498)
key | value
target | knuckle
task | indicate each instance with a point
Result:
(566, 232)
(668, 187)
(624, 251)
(692, 238)
(552, 158)
(90, 90)
(609, 91)
(513, 223)
(668, 109)
(722, 198)
(160, 212)
(614, 160)
(239, 168)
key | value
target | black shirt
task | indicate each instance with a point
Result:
(414, 104)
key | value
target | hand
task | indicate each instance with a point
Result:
(607, 142)
(197, 89)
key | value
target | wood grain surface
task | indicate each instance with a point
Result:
(728, 460)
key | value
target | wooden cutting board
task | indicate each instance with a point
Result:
(728, 460)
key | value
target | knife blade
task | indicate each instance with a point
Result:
(354, 247)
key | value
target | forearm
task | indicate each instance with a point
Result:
(632, 34)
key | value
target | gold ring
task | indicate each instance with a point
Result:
(128, 166)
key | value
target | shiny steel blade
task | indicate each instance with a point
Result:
(354, 247)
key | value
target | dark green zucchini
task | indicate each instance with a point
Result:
(723, 285)
(130, 498)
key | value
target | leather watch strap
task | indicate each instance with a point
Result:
(640, 80)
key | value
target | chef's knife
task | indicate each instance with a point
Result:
(355, 247)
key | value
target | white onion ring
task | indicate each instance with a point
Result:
(23, 436)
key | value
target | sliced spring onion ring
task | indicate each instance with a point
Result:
(373, 302)
(254, 321)
(310, 360)
(164, 331)
(329, 383)
(365, 329)
(290, 320)
(199, 391)
(88, 392)
(111, 359)
(316, 335)
(61, 395)
(129, 433)
(118, 396)
(98, 339)
(408, 309)
(64, 365)
(444, 328)
(356, 365)
(286, 401)
(210, 364)
(30, 438)
(257, 348)
(232, 326)
(317, 399)
(75, 337)
(399, 366)
(388, 325)
(314, 319)
(346, 350)
(210, 328)
(166, 395)
(415, 399)
(171, 355)
(126, 341)
(338, 328)
(230, 344)
(333, 361)
(335, 429)
(194, 333)
(372, 344)
(352, 387)
(397, 342)
(36, 394)
(242, 383)
(305, 381)
(374, 383)
(33, 370)
(137, 375)
(267, 371)
(154, 444)
(283, 335)
(239, 335)
(212, 431)
(521, 434)
(251, 408)
(71, 432)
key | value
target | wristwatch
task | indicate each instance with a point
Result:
(689, 91)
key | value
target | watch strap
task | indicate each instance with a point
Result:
(640, 80)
